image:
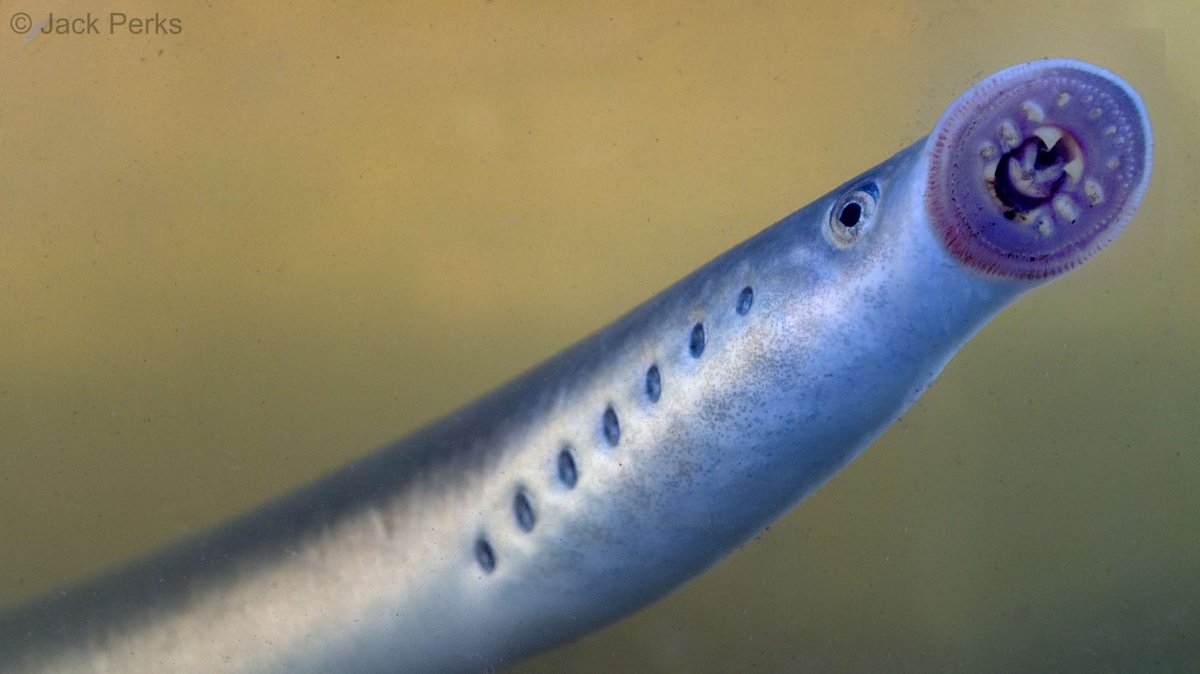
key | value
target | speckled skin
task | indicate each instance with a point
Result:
(378, 567)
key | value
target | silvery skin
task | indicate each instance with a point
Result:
(604, 478)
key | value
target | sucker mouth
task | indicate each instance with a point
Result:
(1038, 167)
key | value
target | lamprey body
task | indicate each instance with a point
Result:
(602, 479)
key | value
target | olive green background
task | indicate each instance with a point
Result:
(235, 258)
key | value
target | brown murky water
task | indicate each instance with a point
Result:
(235, 257)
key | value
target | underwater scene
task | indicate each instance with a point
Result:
(244, 245)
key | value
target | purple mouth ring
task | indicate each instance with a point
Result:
(1038, 167)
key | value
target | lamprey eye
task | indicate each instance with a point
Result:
(852, 214)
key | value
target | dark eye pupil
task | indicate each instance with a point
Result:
(850, 214)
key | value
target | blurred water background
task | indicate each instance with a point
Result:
(236, 257)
